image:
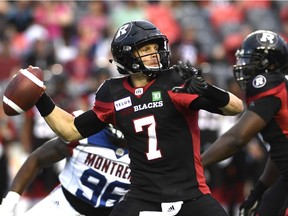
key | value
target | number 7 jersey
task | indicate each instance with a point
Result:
(162, 135)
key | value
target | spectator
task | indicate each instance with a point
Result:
(79, 69)
(9, 63)
(91, 25)
(54, 15)
(41, 54)
(20, 14)
(169, 26)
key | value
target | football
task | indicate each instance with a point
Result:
(23, 91)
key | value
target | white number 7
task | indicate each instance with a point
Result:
(149, 121)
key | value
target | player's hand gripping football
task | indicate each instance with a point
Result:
(194, 82)
(248, 207)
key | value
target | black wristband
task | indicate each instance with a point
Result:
(45, 105)
(259, 189)
(217, 96)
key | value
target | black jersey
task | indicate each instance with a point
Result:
(162, 135)
(267, 96)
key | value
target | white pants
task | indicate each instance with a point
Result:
(55, 204)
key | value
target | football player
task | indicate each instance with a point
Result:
(95, 177)
(156, 107)
(261, 69)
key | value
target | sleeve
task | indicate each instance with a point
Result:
(104, 106)
(266, 107)
(205, 104)
(88, 124)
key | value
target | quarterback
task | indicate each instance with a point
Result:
(162, 132)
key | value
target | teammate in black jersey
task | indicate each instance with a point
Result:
(260, 70)
(156, 108)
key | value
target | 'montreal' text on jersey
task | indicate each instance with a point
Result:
(108, 166)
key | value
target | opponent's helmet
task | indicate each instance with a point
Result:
(262, 51)
(115, 136)
(129, 38)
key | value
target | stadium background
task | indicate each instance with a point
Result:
(70, 41)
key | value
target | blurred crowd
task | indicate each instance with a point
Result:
(70, 41)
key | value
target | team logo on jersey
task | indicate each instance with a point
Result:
(122, 103)
(259, 81)
(156, 96)
(139, 91)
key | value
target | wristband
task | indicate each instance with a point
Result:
(217, 96)
(45, 105)
(259, 189)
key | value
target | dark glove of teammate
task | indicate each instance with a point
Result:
(194, 82)
(248, 207)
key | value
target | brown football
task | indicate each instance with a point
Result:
(23, 91)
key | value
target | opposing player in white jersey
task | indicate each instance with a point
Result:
(95, 177)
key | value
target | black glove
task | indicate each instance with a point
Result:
(250, 205)
(194, 82)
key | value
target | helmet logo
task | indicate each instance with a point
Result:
(122, 32)
(267, 37)
(259, 81)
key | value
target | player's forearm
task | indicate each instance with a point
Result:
(62, 123)
(227, 102)
(220, 150)
(48, 154)
(234, 107)
(25, 175)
